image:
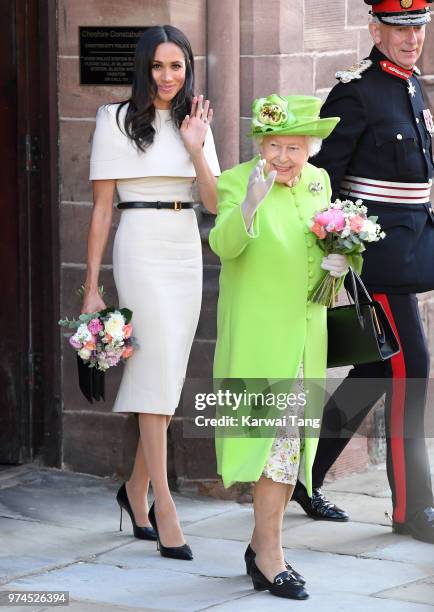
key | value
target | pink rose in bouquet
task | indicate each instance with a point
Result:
(74, 342)
(127, 352)
(95, 326)
(343, 228)
(128, 330)
(318, 230)
(356, 223)
(331, 220)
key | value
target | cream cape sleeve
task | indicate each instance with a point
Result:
(115, 156)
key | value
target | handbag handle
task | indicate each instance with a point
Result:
(355, 282)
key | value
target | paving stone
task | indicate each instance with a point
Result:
(336, 602)
(67, 498)
(28, 546)
(406, 549)
(196, 508)
(158, 589)
(373, 483)
(350, 574)
(235, 525)
(342, 538)
(421, 591)
(212, 557)
(80, 606)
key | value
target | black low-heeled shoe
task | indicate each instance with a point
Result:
(250, 555)
(283, 585)
(174, 552)
(142, 533)
(318, 506)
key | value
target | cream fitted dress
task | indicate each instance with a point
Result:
(157, 257)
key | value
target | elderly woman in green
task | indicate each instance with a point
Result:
(267, 329)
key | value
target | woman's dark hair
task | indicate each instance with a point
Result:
(141, 111)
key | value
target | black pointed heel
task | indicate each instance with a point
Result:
(142, 533)
(249, 556)
(283, 585)
(173, 552)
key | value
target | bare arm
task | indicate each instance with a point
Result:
(193, 132)
(100, 223)
(206, 182)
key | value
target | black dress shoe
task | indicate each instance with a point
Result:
(420, 526)
(250, 555)
(318, 507)
(142, 533)
(284, 584)
(174, 552)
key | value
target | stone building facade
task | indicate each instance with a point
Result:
(243, 49)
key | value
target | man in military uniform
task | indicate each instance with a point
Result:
(381, 152)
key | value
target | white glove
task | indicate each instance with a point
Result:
(258, 188)
(336, 264)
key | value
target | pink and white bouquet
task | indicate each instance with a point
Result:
(102, 339)
(343, 228)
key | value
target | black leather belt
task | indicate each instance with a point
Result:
(176, 205)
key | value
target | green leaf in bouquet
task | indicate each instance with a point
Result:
(69, 323)
(127, 314)
(106, 311)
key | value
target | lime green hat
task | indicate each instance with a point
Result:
(290, 116)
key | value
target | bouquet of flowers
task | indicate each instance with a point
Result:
(102, 339)
(343, 228)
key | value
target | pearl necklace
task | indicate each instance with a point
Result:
(294, 181)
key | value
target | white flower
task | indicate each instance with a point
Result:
(83, 334)
(114, 325)
(84, 353)
(103, 365)
(370, 231)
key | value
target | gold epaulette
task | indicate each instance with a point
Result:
(354, 72)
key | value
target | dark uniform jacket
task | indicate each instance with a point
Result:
(383, 136)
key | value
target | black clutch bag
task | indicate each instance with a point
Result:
(360, 332)
(91, 381)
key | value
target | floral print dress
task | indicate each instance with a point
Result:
(284, 459)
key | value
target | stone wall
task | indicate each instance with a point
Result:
(285, 46)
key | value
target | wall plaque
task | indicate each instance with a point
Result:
(107, 54)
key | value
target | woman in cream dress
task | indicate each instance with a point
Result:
(151, 151)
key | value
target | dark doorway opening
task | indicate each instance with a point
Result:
(29, 339)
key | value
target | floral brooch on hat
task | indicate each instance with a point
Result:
(271, 112)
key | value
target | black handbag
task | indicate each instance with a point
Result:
(91, 381)
(360, 332)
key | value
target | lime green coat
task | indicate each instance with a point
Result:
(265, 326)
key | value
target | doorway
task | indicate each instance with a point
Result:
(29, 262)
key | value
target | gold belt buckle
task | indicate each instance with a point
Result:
(177, 205)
